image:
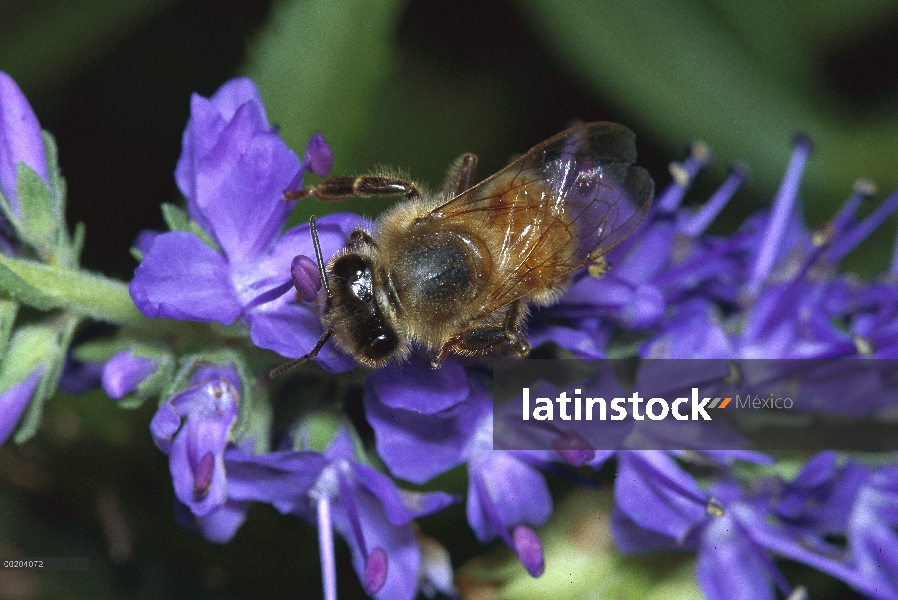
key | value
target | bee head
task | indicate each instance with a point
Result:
(351, 311)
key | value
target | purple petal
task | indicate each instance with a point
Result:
(293, 332)
(20, 140)
(586, 341)
(400, 506)
(657, 494)
(398, 542)
(288, 327)
(645, 307)
(573, 449)
(202, 475)
(221, 525)
(183, 278)
(730, 567)
(234, 94)
(164, 426)
(210, 412)
(417, 446)
(79, 376)
(245, 209)
(14, 401)
(781, 214)
(630, 538)
(415, 386)
(281, 479)
(515, 493)
(145, 239)
(211, 144)
(124, 372)
(589, 297)
(647, 258)
(204, 372)
(693, 331)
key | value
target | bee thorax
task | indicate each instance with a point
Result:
(438, 273)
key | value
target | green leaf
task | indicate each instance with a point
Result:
(29, 347)
(46, 287)
(20, 288)
(76, 246)
(8, 311)
(54, 358)
(319, 63)
(57, 183)
(40, 220)
(33, 346)
(177, 219)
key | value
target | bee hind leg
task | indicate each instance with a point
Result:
(490, 339)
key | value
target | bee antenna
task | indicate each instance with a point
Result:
(289, 366)
(321, 272)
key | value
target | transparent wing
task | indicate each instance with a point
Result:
(556, 208)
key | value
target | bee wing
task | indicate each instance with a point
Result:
(556, 208)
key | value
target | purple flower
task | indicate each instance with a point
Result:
(428, 422)
(193, 427)
(785, 293)
(737, 530)
(333, 490)
(20, 141)
(872, 534)
(658, 506)
(14, 401)
(668, 261)
(124, 372)
(233, 171)
(80, 376)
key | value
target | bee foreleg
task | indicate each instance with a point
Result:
(278, 371)
(339, 188)
(461, 174)
(488, 339)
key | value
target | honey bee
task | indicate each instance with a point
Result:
(455, 272)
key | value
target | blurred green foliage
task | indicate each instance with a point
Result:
(409, 84)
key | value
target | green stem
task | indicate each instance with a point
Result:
(84, 294)
(48, 286)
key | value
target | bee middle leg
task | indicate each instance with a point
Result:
(489, 339)
(339, 188)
